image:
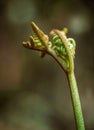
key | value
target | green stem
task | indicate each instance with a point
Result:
(76, 101)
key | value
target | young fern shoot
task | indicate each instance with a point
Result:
(62, 49)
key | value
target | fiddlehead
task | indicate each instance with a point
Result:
(39, 41)
(60, 46)
(64, 47)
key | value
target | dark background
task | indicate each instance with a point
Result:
(34, 93)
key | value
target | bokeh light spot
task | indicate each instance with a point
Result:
(79, 24)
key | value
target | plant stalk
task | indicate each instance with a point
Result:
(40, 42)
(75, 101)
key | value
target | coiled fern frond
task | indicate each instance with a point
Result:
(59, 47)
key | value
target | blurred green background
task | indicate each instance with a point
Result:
(34, 93)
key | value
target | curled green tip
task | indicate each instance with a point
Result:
(65, 30)
(72, 41)
(27, 44)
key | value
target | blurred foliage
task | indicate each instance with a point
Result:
(33, 91)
